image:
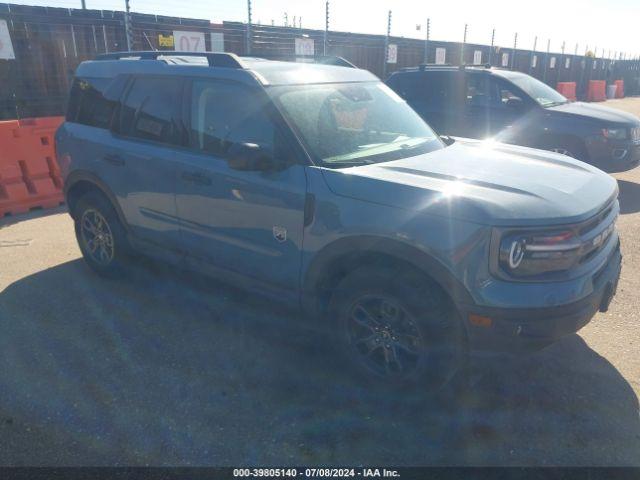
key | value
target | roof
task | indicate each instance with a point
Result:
(250, 70)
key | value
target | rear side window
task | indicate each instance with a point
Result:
(429, 89)
(151, 110)
(87, 102)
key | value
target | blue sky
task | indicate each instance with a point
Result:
(609, 25)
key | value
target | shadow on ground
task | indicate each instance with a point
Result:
(629, 196)
(160, 369)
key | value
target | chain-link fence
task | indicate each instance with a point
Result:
(50, 42)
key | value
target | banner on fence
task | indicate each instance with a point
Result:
(392, 53)
(217, 42)
(441, 55)
(552, 62)
(6, 47)
(305, 46)
(534, 61)
(165, 40)
(477, 57)
(505, 60)
(189, 41)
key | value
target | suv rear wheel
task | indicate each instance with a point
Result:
(100, 234)
(398, 327)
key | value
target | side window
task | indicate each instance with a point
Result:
(87, 103)
(506, 95)
(223, 114)
(478, 93)
(151, 110)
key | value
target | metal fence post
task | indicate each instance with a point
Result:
(127, 25)
(386, 46)
(426, 42)
(513, 51)
(248, 39)
(546, 61)
(464, 41)
(326, 28)
(535, 42)
(493, 37)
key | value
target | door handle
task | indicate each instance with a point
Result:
(196, 177)
(114, 159)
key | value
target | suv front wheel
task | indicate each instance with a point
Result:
(100, 234)
(397, 327)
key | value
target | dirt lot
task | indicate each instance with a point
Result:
(166, 368)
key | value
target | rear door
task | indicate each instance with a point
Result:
(139, 162)
(245, 222)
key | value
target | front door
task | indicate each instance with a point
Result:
(245, 222)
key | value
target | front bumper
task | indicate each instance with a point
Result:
(505, 330)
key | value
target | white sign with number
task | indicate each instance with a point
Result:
(567, 63)
(441, 55)
(305, 46)
(552, 62)
(477, 57)
(392, 53)
(188, 41)
(505, 59)
(6, 47)
(534, 61)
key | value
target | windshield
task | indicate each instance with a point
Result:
(540, 92)
(355, 124)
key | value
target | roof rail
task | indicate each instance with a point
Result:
(290, 57)
(475, 65)
(228, 60)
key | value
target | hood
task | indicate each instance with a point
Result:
(481, 182)
(597, 112)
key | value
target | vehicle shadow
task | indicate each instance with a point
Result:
(165, 368)
(629, 197)
(7, 220)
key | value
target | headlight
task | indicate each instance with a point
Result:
(533, 253)
(615, 133)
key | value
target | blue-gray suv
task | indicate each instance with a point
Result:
(318, 185)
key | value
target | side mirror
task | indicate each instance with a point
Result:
(250, 157)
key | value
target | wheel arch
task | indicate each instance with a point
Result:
(81, 182)
(337, 259)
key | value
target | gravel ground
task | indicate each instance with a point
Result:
(166, 368)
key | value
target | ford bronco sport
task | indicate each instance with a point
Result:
(319, 186)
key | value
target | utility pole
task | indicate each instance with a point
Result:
(286, 19)
(493, 37)
(426, 42)
(248, 41)
(561, 63)
(533, 52)
(513, 52)
(127, 25)
(84, 4)
(386, 46)
(326, 28)
(464, 41)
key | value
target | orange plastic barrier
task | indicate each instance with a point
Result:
(29, 173)
(568, 89)
(619, 88)
(597, 91)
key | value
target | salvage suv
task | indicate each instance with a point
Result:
(319, 186)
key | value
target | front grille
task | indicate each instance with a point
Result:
(635, 133)
(596, 232)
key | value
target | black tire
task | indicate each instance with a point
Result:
(411, 309)
(107, 254)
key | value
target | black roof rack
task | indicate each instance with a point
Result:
(322, 59)
(228, 60)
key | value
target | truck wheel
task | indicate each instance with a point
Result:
(398, 328)
(100, 235)
(569, 148)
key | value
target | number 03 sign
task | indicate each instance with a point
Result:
(188, 41)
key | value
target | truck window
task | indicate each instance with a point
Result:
(87, 104)
(151, 110)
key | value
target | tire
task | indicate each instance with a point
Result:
(100, 235)
(397, 328)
